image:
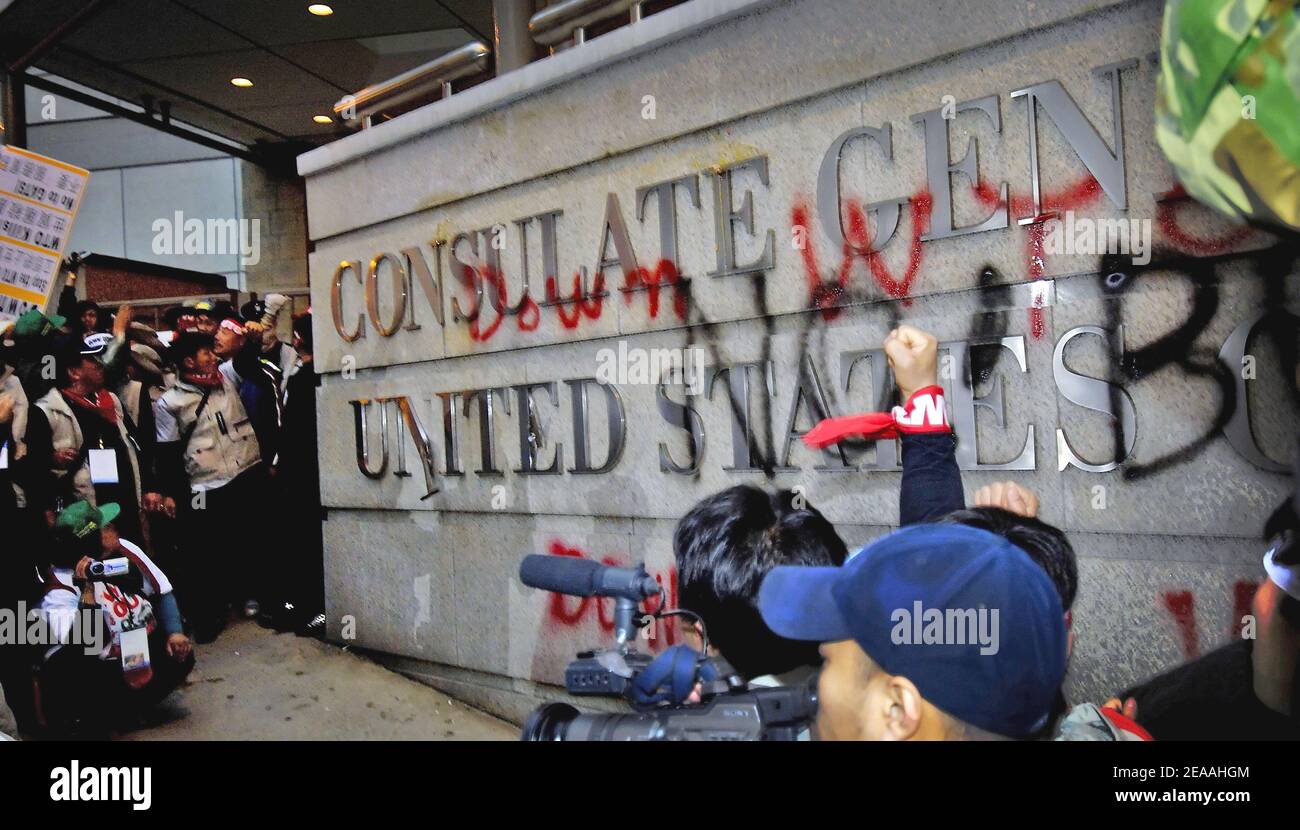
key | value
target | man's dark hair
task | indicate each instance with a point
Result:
(1044, 543)
(66, 550)
(724, 546)
(188, 344)
(302, 328)
(81, 308)
(67, 355)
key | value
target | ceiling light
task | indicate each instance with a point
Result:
(320, 10)
(322, 119)
(241, 82)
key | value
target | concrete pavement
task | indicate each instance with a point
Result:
(253, 684)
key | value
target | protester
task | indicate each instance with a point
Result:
(89, 693)
(301, 579)
(78, 436)
(87, 318)
(1250, 688)
(17, 585)
(33, 335)
(1011, 511)
(933, 632)
(212, 479)
(262, 362)
(208, 315)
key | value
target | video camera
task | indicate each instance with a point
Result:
(116, 571)
(108, 570)
(658, 687)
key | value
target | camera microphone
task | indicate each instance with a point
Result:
(584, 578)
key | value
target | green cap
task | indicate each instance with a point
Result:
(33, 323)
(81, 518)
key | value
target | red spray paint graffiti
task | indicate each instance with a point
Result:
(1167, 207)
(1082, 193)
(1181, 605)
(825, 295)
(563, 612)
(665, 273)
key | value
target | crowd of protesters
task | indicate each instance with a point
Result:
(189, 454)
(895, 631)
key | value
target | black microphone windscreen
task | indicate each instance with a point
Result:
(562, 574)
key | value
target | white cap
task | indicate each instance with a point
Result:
(1286, 577)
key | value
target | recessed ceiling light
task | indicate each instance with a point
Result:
(320, 10)
(243, 82)
(322, 119)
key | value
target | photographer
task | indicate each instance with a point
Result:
(93, 691)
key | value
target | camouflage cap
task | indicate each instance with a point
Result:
(1228, 105)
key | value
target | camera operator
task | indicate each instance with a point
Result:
(89, 692)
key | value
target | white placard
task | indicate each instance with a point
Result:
(39, 200)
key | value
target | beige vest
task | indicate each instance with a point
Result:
(129, 394)
(67, 435)
(213, 457)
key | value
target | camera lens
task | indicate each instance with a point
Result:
(549, 722)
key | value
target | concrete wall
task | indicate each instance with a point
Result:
(1167, 540)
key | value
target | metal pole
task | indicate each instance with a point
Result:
(512, 42)
(13, 114)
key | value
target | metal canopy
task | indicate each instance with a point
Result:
(176, 58)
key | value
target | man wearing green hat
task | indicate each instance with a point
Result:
(131, 669)
(29, 344)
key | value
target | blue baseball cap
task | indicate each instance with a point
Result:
(961, 612)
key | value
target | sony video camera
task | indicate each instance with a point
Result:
(728, 709)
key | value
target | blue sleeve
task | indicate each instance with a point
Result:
(168, 613)
(931, 481)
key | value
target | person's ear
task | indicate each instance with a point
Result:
(902, 702)
(696, 631)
